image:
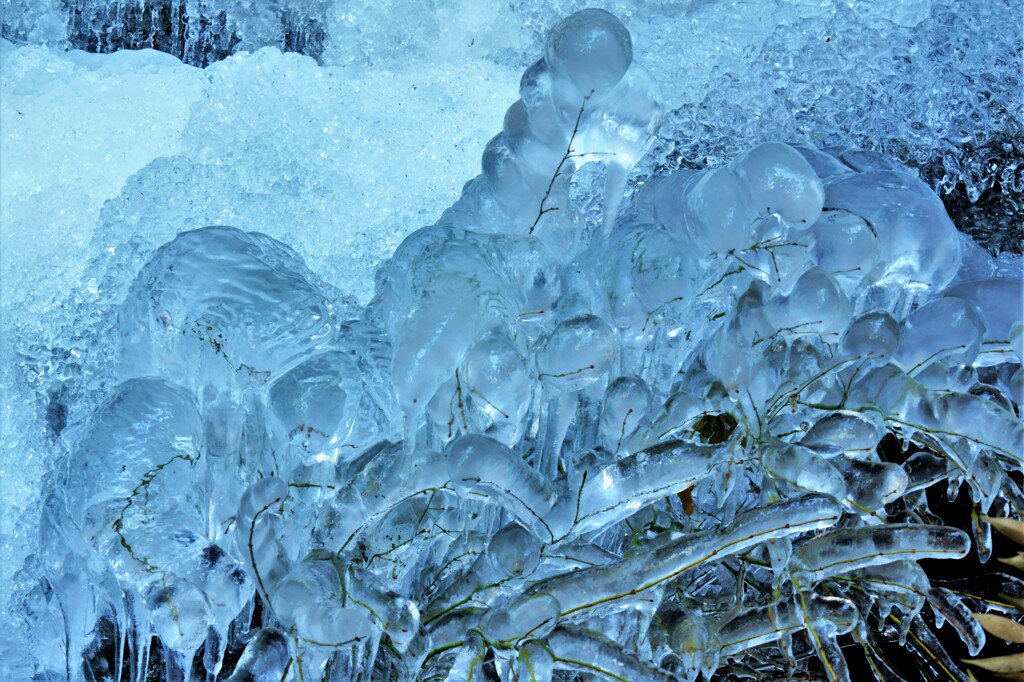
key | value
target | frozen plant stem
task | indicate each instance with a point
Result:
(558, 169)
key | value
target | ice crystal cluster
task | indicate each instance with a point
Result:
(591, 425)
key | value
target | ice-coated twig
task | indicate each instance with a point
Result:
(569, 152)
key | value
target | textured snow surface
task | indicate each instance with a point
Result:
(167, 387)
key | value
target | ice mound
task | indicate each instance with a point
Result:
(581, 427)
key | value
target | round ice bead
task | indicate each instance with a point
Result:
(1015, 384)
(720, 210)
(874, 334)
(259, 497)
(663, 269)
(626, 402)
(577, 353)
(781, 181)
(592, 48)
(944, 328)
(325, 409)
(845, 246)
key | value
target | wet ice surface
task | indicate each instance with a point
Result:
(589, 420)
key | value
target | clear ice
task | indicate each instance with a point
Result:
(611, 416)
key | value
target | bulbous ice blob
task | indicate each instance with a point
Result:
(825, 165)
(260, 496)
(874, 334)
(663, 269)
(433, 341)
(627, 401)
(537, 160)
(398, 616)
(920, 246)
(534, 616)
(223, 581)
(178, 614)
(326, 409)
(535, 90)
(534, 271)
(871, 485)
(591, 48)
(804, 469)
(480, 463)
(779, 180)
(816, 306)
(146, 434)
(218, 302)
(256, 529)
(577, 353)
(498, 386)
(326, 623)
(721, 211)
(679, 414)
(265, 658)
(845, 246)
(621, 127)
(1000, 300)
(505, 177)
(535, 663)
(855, 433)
(944, 328)
(513, 551)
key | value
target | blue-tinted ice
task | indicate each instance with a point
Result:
(636, 446)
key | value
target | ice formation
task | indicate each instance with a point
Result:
(592, 422)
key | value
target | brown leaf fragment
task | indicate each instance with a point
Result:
(1010, 528)
(1002, 627)
(1011, 663)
